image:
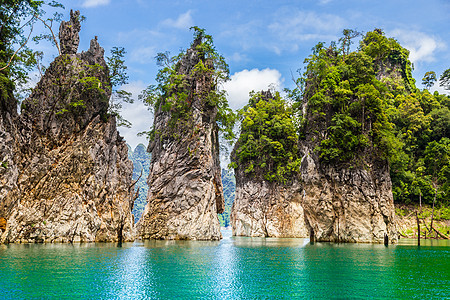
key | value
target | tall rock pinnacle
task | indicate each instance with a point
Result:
(68, 34)
(185, 189)
(69, 176)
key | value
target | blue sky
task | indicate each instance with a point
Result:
(262, 41)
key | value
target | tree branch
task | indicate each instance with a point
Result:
(15, 53)
(51, 30)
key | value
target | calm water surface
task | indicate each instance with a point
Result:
(234, 268)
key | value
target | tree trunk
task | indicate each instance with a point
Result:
(420, 200)
(418, 229)
(440, 234)
(434, 201)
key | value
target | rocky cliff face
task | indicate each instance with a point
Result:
(347, 189)
(267, 204)
(348, 204)
(268, 210)
(70, 178)
(185, 190)
(343, 192)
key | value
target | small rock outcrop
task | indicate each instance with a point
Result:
(69, 38)
(265, 205)
(69, 174)
(185, 190)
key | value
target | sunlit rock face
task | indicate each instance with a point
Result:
(185, 189)
(268, 210)
(69, 177)
(348, 204)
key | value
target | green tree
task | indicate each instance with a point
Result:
(174, 91)
(118, 76)
(17, 20)
(437, 162)
(429, 79)
(444, 80)
(347, 102)
(346, 40)
(267, 145)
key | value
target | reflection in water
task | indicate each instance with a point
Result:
(234, 268)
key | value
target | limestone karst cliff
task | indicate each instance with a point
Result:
(268, 196)
(185, 190)
(342, 191)
(68, 177)
(346, 142)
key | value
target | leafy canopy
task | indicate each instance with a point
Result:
(267, 145)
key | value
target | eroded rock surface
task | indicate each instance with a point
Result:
(68, 177)
(268, 210)
(348, 204)
(185, 189)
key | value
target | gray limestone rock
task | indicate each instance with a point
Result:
(68, 177)
(268, 210)
(68, 34)
(185, 189)
(348, 204)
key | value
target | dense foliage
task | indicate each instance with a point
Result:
(14, 63)
(348, 94)
(17, 20)
(267, 145)
(178, 87)
(366, 104)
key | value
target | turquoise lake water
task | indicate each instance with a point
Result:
(234, 268)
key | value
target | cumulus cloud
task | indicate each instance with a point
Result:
(245, 81)
(422, 47)
(184, 21)
(138, 114)
(94, 3)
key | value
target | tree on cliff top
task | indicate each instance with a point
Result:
(176, 87)
(347, 101)
(267, 145)
(366, 105)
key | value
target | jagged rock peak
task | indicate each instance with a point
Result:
(69, 176)
(185, 190)
(95, 54)
(68, 33)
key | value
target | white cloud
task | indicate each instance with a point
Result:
(184, 21)
(422, 47)
(143, 55)
(439, 89)
(138, 114)
(294, 26)
(243, 82)
(94, 3)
